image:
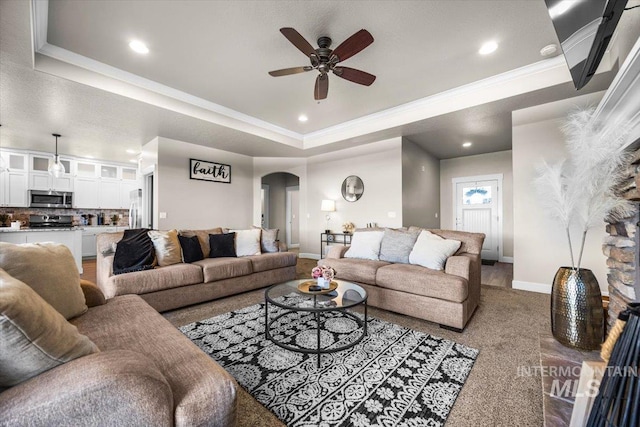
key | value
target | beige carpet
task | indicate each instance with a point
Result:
(505, 329)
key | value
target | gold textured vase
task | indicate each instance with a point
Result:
(576, 309)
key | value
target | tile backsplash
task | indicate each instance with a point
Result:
(22, 214)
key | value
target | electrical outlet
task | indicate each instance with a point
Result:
(391, 214)
(436, 214)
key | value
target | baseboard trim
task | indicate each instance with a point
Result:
(308, 255)
(508, 259)
(542, 288)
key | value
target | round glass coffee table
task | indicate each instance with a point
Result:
(294, 304)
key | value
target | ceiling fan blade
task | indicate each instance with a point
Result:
(352, 45)
(298, 41)
(321, 87)
(353, 75)
(288, 71)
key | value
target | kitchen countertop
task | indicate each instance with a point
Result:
(14, 230)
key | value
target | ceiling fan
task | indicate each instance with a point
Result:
(325, 60)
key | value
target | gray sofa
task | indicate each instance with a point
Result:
(146, 374)
(447, 297)
(180, 285)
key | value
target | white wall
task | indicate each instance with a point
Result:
(481, 164)
(420, 187)
(197, 204)
(540, 244)
(379, 165)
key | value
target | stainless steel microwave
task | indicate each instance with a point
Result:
(50, 199)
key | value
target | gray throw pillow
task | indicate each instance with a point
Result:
(34, 336)
(269, 240)
(397, 245)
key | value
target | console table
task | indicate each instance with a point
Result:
(327, 238)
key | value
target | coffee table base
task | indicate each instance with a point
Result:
(319, 351)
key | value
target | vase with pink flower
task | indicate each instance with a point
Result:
(324, 275)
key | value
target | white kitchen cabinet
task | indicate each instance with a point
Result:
(14, 182)
(89, 237)
(86, 193)
(125, 193)
(109, 197)
(41, 179)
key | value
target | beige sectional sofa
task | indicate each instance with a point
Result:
(447, 297)
(179, 285)
(144, 372)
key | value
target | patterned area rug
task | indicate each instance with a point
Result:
(394, 377)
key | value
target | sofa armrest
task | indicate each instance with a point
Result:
(117, 387)
(282, 246)
(92, 293)
(458, 266)
(336, 251)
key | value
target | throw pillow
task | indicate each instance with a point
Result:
(203, 237)
(134, 252)
(222, 245)
(365, 245)
(167, 247)
(269, 240)
(432, 251)
(247, 242)
(50, 270)
(191, 250)
(34, 336)
(397, 245)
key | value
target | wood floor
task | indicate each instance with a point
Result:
(500, 274)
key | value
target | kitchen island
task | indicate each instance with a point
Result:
(70, 237)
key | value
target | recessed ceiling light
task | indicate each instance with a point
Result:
(549, 50)
(488, 47)
(467, 144)
(302, 118)
(130, 151)
(139, 47)
(561, 7)
(133, 161)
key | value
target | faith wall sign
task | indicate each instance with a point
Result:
(210, 171)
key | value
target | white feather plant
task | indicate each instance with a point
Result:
(580, 191)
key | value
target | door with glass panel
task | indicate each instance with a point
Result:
(477, 212)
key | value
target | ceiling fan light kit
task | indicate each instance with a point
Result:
(325, 60)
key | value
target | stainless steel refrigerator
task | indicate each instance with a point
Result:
(135, 209)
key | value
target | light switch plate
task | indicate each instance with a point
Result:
(163, 215)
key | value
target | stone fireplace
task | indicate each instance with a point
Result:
(621, 247)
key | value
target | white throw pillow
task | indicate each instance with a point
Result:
(247, 242)
(365, 245)
(432, 251)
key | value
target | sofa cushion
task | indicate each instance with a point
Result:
(222, 245)
(418, 280)
(157, 279)
(272, 261)
(203, 393)
(191, 249)
(247, 242)
(215, 269)
(50, 270)
(167, 247)
(432, 251)
(396, 245)
(365, 245)
(356, 270)
(34, 336)
(203, 237)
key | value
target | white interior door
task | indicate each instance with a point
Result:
(477, 210)
(292, 217)
(264, 199)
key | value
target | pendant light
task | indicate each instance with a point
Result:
(56, 169)
(3, 165)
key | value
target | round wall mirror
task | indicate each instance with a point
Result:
(352, 188)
